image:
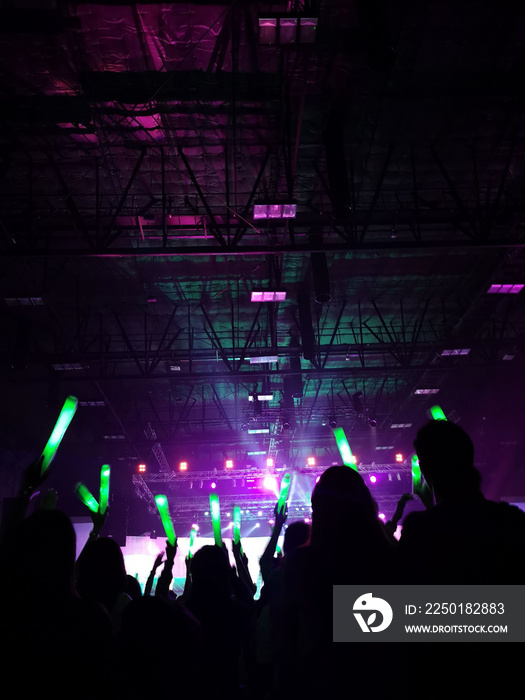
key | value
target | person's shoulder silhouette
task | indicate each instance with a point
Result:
(464, 538)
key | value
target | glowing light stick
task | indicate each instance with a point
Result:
(87, 498)
(283, 495)
(344, 448)
(193, 532)
(437, 413)
(64, 419)
(236, 524)
(165, 517)
(416, 474)
(104, 488)
(216, 518)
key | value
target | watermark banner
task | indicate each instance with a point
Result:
(429, 614)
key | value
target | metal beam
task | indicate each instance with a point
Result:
(109, 238)
(246, 212)
(70, 203)
(214, 228)
(215, 338)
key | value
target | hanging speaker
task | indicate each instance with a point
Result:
(321, 278)
(306, 327)
(296, 380)
(336, 167)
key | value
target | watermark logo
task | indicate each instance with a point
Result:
(367, 603)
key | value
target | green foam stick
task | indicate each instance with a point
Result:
(193, 532)
(344, 448)
(64, 419)
(283, 495)
(86, 497)
(437, 413)
(104, 488)
(165, 517)
(216, 518)
(416, 474)
(236, 524)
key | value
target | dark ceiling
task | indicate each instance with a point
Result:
(134, 140)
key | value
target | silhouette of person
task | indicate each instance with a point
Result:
(465, 538)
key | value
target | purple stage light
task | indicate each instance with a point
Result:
(213, 485)
(382, 516)
(373, 479)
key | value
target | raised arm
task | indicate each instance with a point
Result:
(151, 577)
(266, 560)
(163, 584)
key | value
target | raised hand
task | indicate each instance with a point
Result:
(424, 492)
(98, 519)
(32, 478)
(280, 517)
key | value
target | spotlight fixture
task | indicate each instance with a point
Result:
(332, 422)
(268, 295)
(399, 457)
(455, 352)
(287, 30)
(261, 397)
(141, 468)
(269, 462)
(274, 210)
(310, 461)
(228, 464)
(264, 359)
(505, 288)
(183, 466)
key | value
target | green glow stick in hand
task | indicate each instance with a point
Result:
(416, 474)
(344, 448)
(87, 498)
(104, 488)
(283, 495)
(193, 532)
(64, 419)
(236, 524)
(165, 517)
(437, 413)
(216, 518)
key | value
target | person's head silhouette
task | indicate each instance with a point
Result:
(446, 458)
